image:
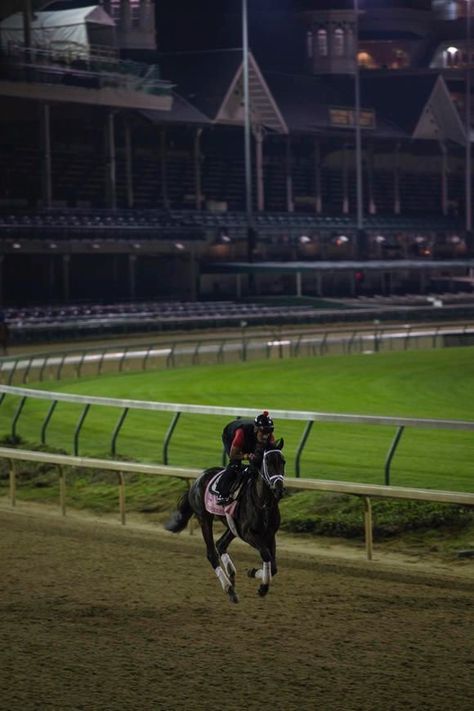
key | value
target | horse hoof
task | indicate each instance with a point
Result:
(233, 597)
(251, 572)
(263, 589)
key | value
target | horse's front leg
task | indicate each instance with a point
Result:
(222, 545)
(265, 572)
(213, 558)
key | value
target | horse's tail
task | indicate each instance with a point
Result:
(180, 518)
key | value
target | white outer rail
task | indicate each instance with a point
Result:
(366, 491)
(307, 415)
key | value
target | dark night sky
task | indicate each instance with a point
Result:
(276, 35)
(205, 24)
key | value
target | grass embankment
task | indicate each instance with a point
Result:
(427, 384)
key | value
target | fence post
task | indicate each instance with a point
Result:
(301, 445)
(368, 527)
(17, 416)
(12, 481)
(116, 431)
(391, 452)
(49, 414)
(78, 429)
(173, 424)
(62, 489)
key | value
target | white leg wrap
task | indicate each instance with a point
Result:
(223, 579)
(267, 573)
(229, 567)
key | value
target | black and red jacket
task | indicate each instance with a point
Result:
(249, 442)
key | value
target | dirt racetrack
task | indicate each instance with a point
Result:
(98, 616)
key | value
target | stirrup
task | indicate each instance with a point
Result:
(223, 500)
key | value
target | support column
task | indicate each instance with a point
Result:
(444, 178)
(299, 284)
(45, 143)
(129, 164)
(51, 277)
(318, 197)
(370, 180)
(145, 15)
(192, 274)
(132, 262)
(66, 270)
(259, 168)
(110, 162)
(345, 182)
(197, 169)
(164, 169)
(396, 181)
(125, 23)
(319, 283)
(289, 179)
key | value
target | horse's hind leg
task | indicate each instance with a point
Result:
(213, 558)
(222, 545)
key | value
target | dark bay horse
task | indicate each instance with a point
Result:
(256, 519)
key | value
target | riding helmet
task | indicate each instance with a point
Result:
(264, 421)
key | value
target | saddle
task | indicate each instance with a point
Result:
(211, 494)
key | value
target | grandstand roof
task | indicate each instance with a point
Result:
(181, 112)
(406, 105)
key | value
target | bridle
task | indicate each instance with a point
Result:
(270, 479)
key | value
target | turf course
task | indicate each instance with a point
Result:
(432, 384)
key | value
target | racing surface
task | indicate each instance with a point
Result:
(98, 616)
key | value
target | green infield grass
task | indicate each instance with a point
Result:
(420, 384)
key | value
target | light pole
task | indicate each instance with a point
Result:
(468, 128)
(360, 243)
(247, 135)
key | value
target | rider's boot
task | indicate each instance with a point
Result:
(224, 485)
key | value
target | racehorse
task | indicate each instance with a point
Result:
(255, 518)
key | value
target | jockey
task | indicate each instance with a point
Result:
(243, 439)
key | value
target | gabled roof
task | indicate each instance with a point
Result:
(405, 105)
(212, 82)
(419, 104)
(60, 18)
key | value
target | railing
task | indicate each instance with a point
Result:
(125, 405)
(365, 491)
(79, 64)
(274, 343)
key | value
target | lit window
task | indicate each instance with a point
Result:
(309, 44)
(322, 43)
(339, 42)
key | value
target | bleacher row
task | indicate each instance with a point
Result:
(96, 320)
(63, 221)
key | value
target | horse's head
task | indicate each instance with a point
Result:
(272, 469)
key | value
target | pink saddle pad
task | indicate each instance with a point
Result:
(210, 500)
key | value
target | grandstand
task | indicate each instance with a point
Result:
(123, 171)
